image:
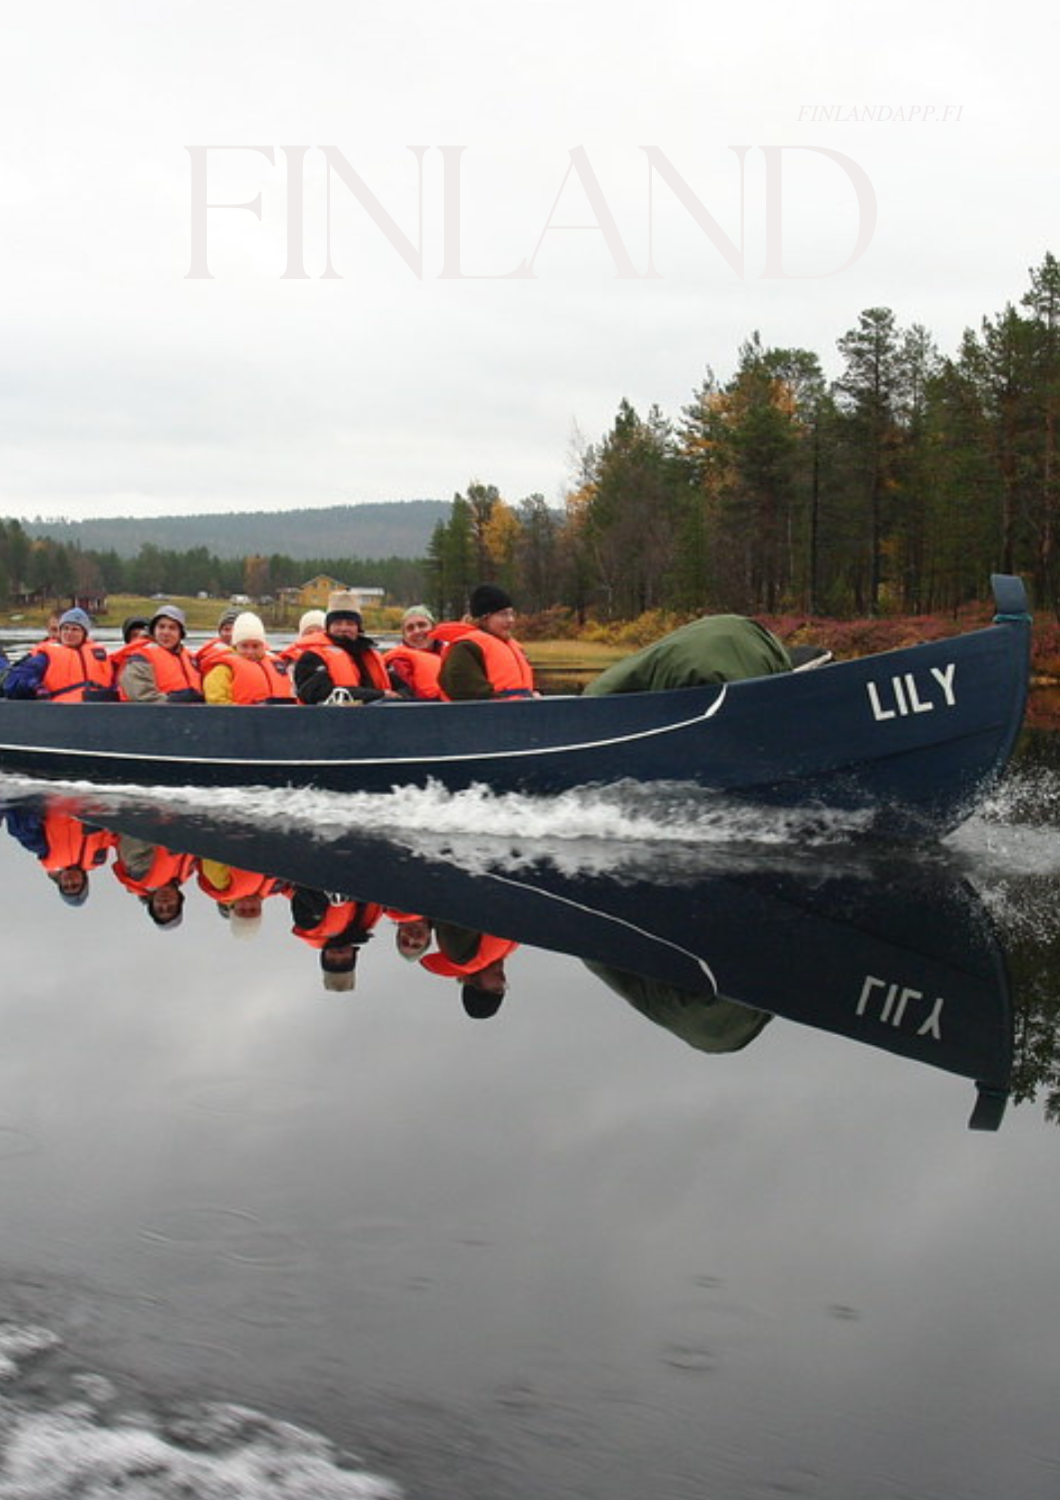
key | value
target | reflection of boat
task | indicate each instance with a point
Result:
(892, 953)
(917, 734)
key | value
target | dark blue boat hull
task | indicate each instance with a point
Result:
(916, 735)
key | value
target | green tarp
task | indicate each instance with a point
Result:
(718, 648)
(705, 1021)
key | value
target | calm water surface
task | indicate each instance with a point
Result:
(620, 1240)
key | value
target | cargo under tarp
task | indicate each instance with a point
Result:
(718, 648)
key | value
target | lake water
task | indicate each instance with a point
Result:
(627, 1237)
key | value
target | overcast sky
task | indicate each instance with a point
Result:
(129, 386)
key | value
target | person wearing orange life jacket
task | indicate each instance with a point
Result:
(249, 673)
(340, 656)
(161, 669)
(477, 960)
(418, 660)
(338, 928)
(217, 647)
(483, 661)
(311, 623)
(73, 669)
(133, 630)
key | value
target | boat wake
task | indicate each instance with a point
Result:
(60, 1445)
(657, 829)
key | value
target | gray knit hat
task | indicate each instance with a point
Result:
(169, 612)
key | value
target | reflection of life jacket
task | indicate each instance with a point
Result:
(72, 669)
(175, 671)
(343, 668)
(165, 867)
(402, 916)
(489, 950)
(255, 681)
(71, 844)
(419, 669)
(337, 918)
(241, 883)
(507, 668)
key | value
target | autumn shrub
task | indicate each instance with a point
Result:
(554, 624)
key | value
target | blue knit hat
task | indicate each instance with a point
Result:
(76, 617)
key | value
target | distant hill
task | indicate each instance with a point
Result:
(399, 528)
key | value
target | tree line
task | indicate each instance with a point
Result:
(897, 487)
(40, 567)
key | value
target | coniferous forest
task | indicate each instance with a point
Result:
(895, 488)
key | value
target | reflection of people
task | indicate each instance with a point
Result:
(67, 848)
(412, 934)
(485, 661)
(476, 959)
(417, 661)
(155, 875)
(71, 669)
(161, 669)
(336, 926)
(341, 657)
(240, 894)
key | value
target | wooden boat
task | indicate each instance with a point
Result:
(916, 735)
(895, 953)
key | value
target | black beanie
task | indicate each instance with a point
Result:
(479, 1004)
(487, 599)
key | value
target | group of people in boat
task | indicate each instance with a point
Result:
(330, 661)
(71, 852)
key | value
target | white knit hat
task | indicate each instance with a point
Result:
(247, 628)
(313, 619)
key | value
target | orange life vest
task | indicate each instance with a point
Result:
(255, 681)
(175, 671)
(166, 867)
(209, 654)
(337, 919)
(120, 656)
(72, 669)
(294, 649)
(419, 669)
(448, 631)
(71, 844)
(490, 949)
(342, 667)
(509, 672)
